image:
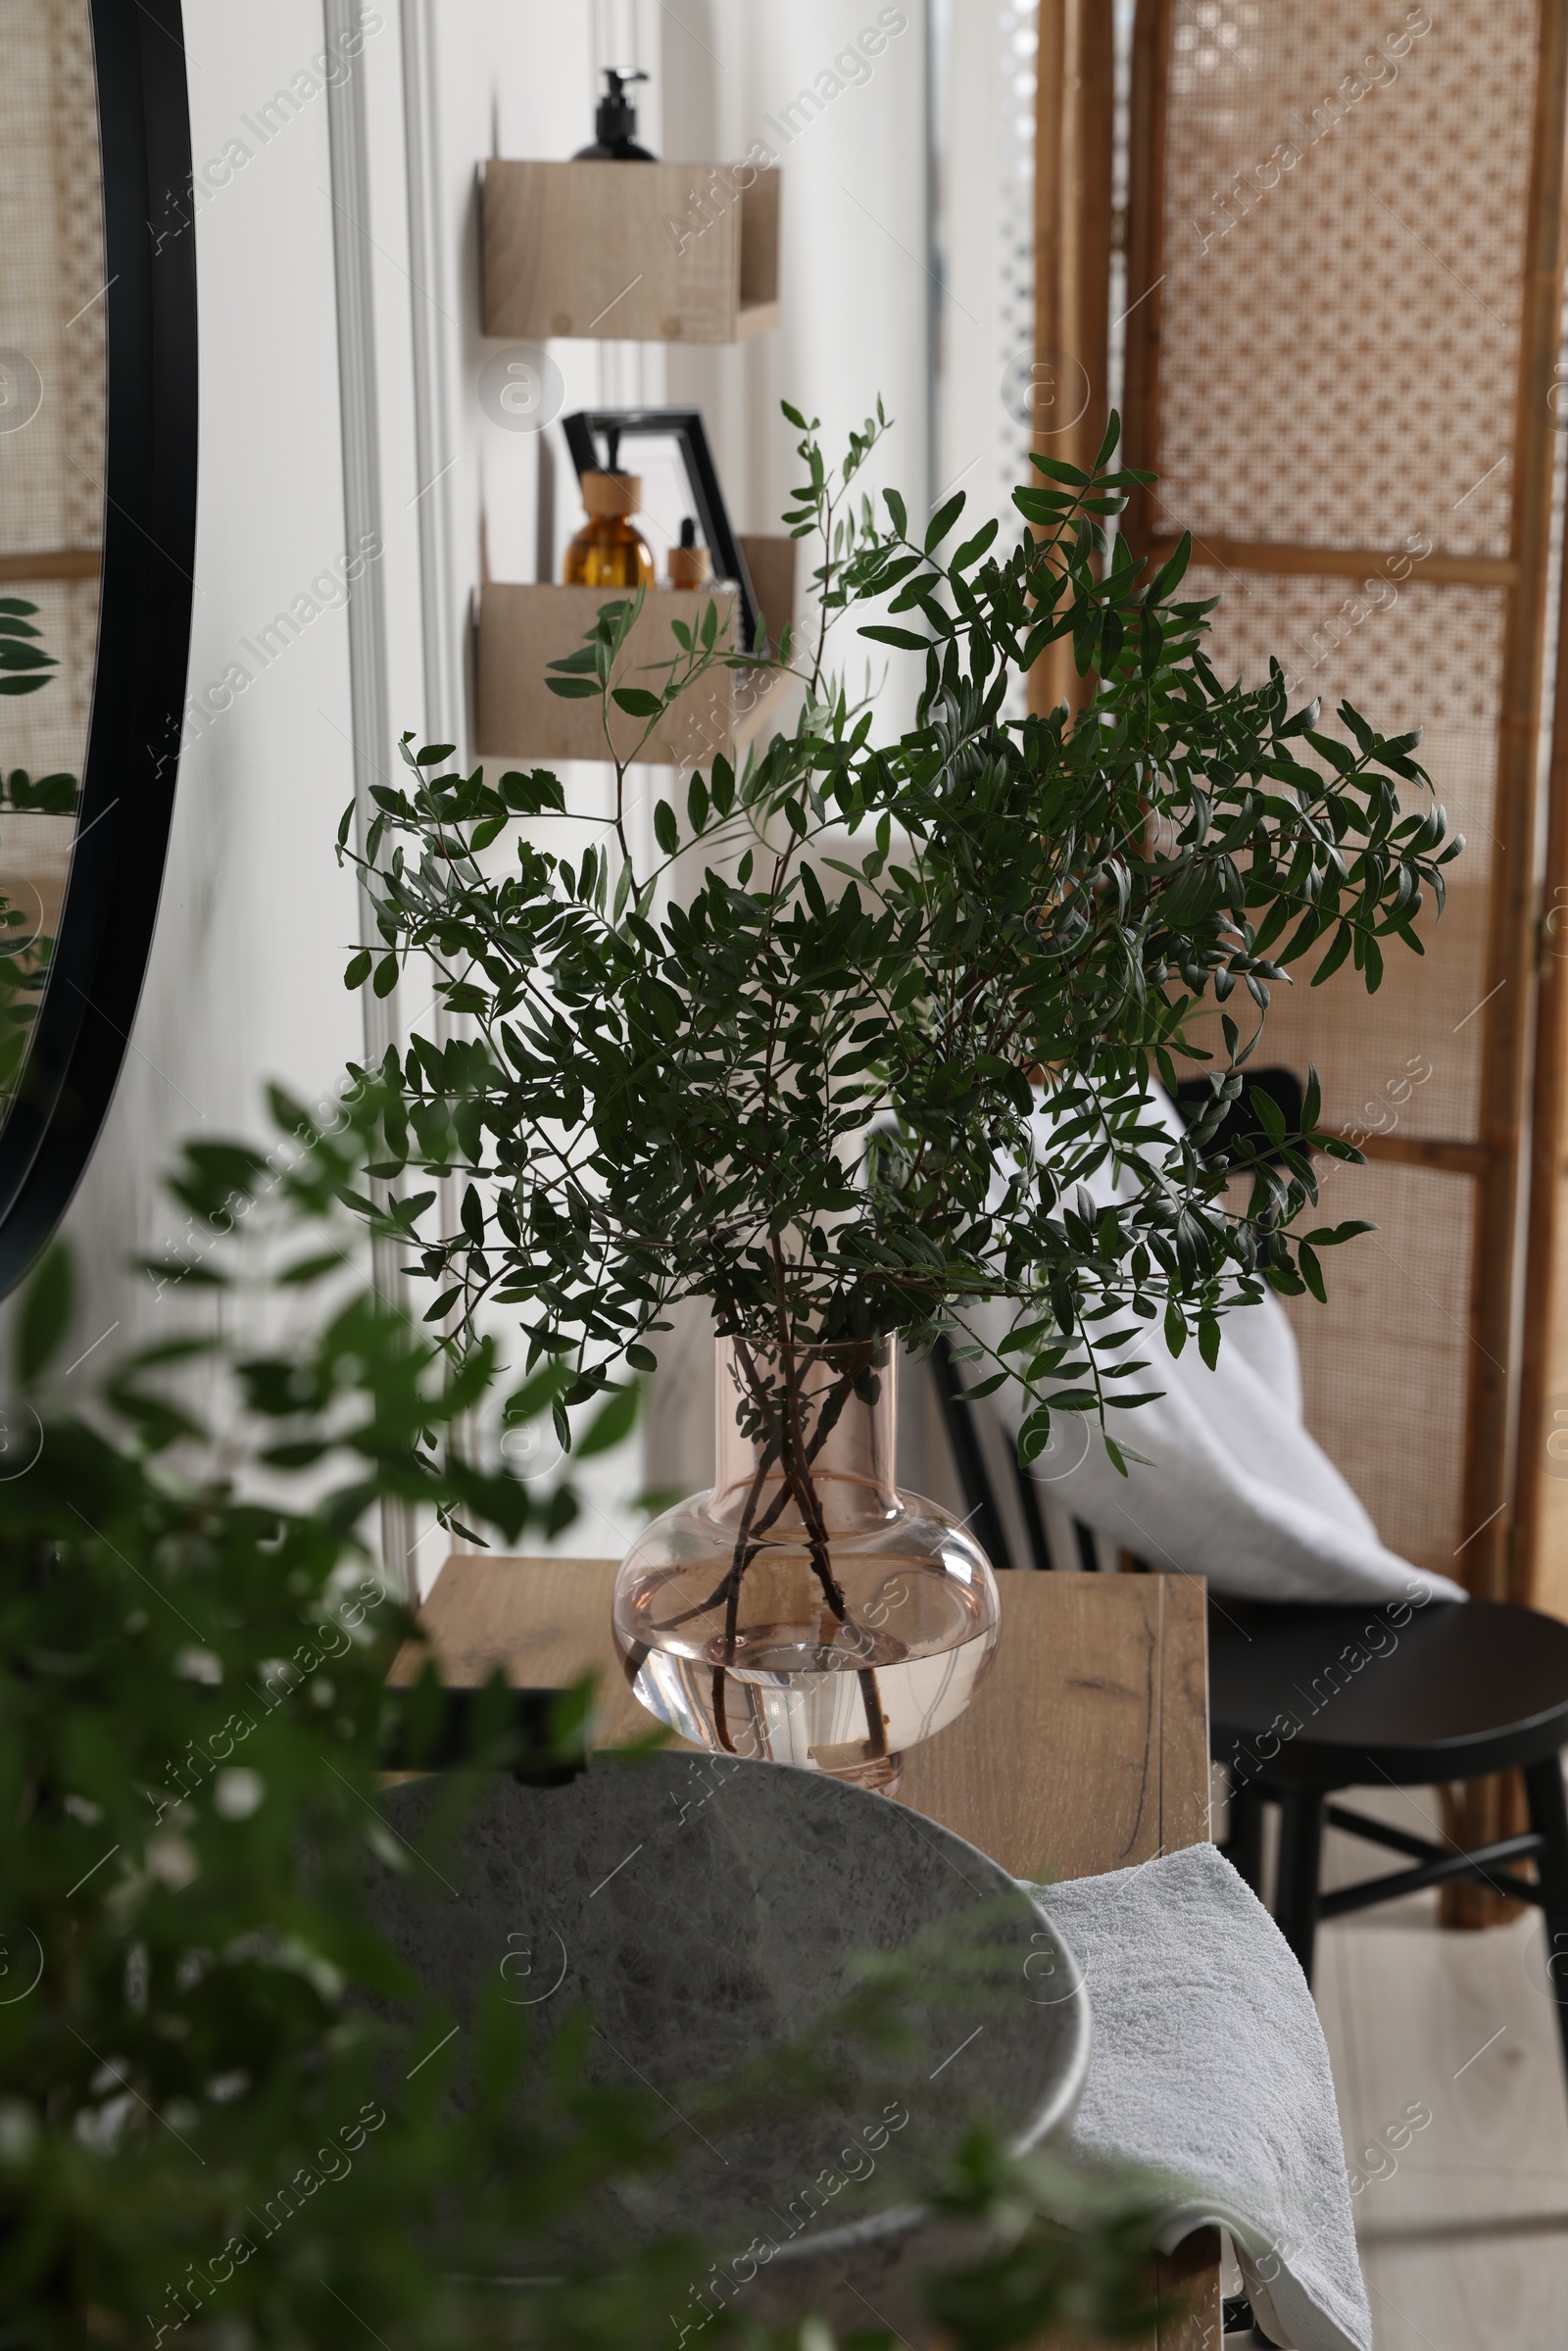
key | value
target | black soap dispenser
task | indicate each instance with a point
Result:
(614, 123)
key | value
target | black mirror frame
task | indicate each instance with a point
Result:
(82, 1029)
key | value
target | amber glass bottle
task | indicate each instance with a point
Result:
(610, 551)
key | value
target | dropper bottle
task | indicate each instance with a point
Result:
(610, 551)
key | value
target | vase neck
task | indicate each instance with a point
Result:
(794, 1439)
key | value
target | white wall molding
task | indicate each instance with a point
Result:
(368, 701)
(437, 339)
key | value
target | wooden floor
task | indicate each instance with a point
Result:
(1464, 2238)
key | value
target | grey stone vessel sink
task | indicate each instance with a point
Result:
(702, 1910)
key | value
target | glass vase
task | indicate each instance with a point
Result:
(805, 1611)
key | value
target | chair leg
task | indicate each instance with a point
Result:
(1244, 1846)
(1295, 1885)
(1549, 1816)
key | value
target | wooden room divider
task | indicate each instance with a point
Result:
(1076, 61)
(1343, 321)
(1541, 1487)
(1343, 287)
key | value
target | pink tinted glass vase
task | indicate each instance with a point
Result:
(805, 1611)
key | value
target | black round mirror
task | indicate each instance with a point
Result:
(97, 544)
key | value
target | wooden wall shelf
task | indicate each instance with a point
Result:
(670, 253)
(522, 628)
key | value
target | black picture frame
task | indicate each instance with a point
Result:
(684, 425)
(82, 1029)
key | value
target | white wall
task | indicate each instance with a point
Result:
(256, 918)
(856, 282)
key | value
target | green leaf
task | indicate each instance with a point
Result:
(973, 549)
(49, 795)
(1336, 954)
(943, 520)
(532, 794)
(636, 702)
(899, 512)
(386, 975)
(47, 1300)
(1172, 570)
(1267, 1112)
(359, 969)
(433, 754)
(1312, 1100)
(666, 831)
(903, 638)
(614, 1421)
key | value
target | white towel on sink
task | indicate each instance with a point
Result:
(1210, 2066)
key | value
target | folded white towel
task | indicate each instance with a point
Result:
(1208, 2064)
(1238, 1489)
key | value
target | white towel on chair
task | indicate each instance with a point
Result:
(1210, 2066)
(1238, 1491)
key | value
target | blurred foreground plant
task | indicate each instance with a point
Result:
(224, 2111)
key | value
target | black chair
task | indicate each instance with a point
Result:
(1308, 1700)
(990, 1529)
(1305, 1701)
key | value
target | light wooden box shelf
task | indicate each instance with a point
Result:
(628, 252)
(522, 628)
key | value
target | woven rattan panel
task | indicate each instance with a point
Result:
(1408, 1060)
(1384, 1363)
(1339, 291)
(51, 310)
(1343, 249)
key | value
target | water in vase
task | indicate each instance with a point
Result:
(834, 1635)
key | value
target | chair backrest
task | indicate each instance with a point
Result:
(1047, 1528)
